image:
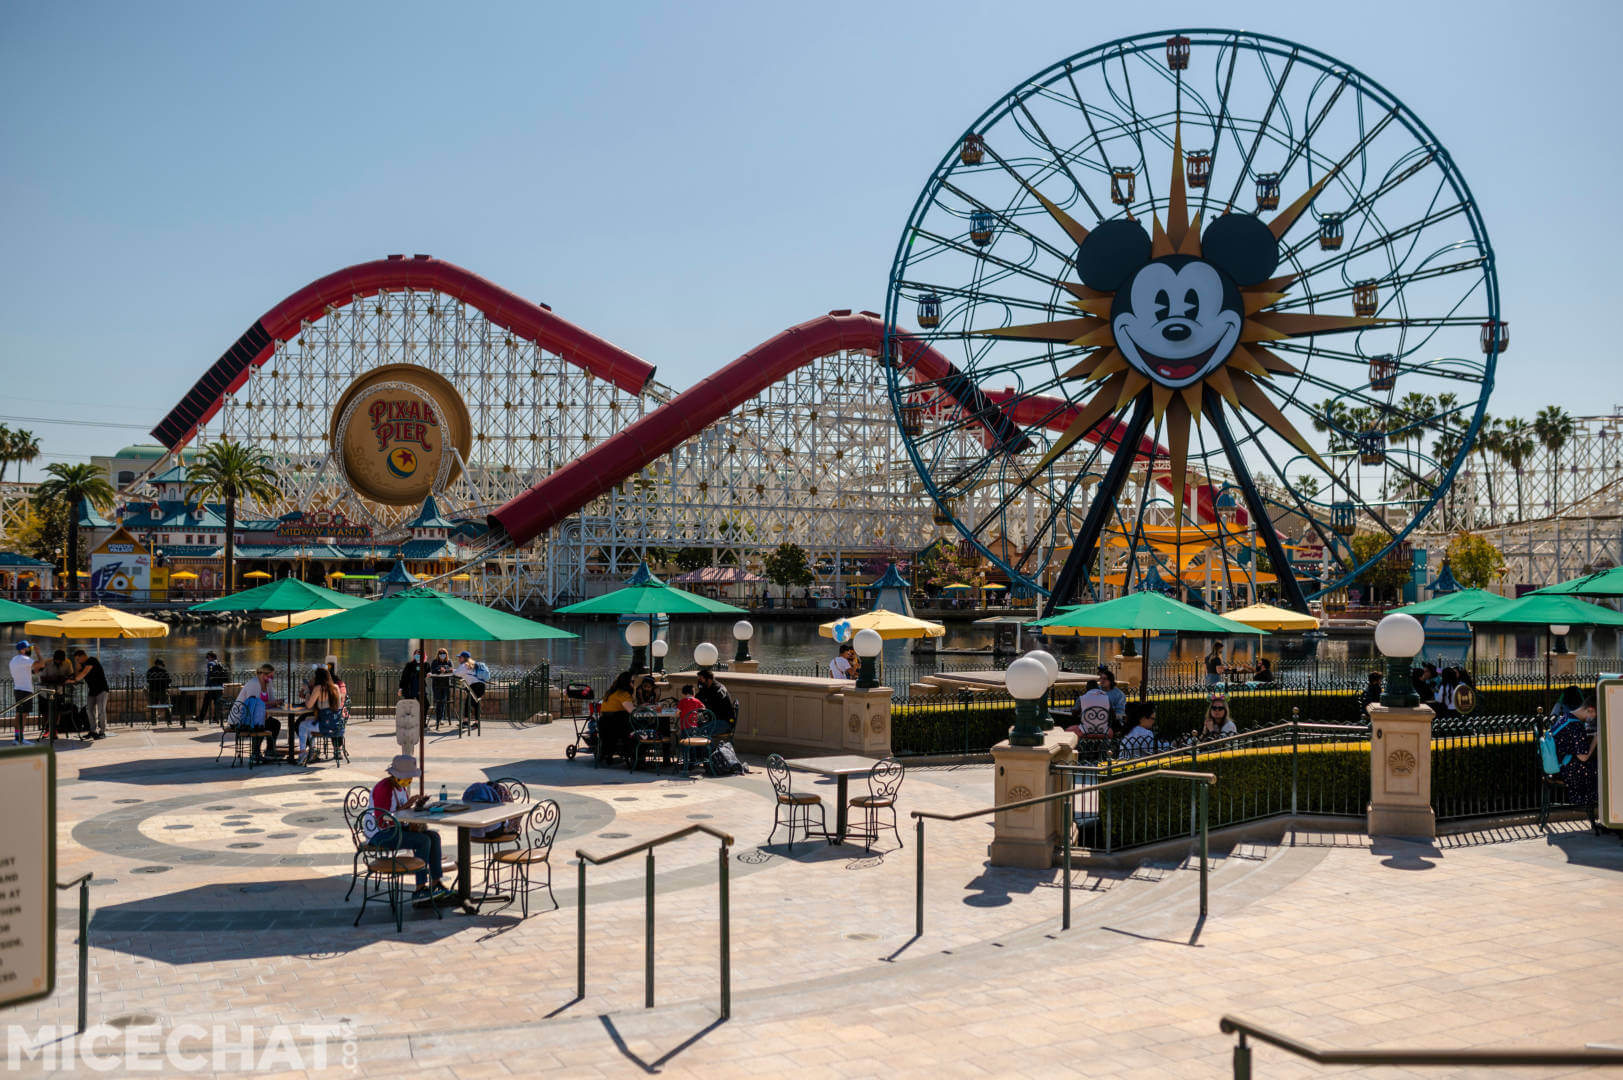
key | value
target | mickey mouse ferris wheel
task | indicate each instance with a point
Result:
(1216, 304)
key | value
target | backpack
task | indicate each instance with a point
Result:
(253, 714)
(724, 761)
(489, 793)
(1548, 755)
(481, 673)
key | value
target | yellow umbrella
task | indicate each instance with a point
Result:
(461, 577)
(888, 624)
(423, 577)
(295, 618)
(257, 574)
(337, 575)
(183, 575)
(956, 585)
(993, 585)
(96, 622)
(1269, 617)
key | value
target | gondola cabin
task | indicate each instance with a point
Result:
(929, 315)
(1383, 372)
(980, 227)
(1366, 298)
(1121, 186)
(1197, 168)
(1268, 191)
(1331, 232)
(973, 150)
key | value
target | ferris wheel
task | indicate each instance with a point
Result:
(1209, 299)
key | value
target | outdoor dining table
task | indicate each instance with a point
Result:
(289, 719)
(841, 767)
(476, 816)
(197, 701)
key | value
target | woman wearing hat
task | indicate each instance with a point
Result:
(391, 794)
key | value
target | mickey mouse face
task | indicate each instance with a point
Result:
(1177, 317)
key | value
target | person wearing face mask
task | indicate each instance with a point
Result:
(440, 673)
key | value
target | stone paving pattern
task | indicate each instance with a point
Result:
(1510, 937)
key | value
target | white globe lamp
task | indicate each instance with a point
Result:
(1399, 638)
(705, 655)
(868, 645)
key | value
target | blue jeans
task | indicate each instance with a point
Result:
(425, 845)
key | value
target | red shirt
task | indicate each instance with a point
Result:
(687, 708)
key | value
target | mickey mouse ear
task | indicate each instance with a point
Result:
(1110, 254)
(1242, 247)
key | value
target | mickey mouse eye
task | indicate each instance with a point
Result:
(1163, 305)
(1191, 305)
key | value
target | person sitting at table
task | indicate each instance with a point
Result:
(325, 705)
(717, 699)
(843, 663)
(1218, 723)
(1141, 740)
(1092, 712)
(392, 794)
(614, 719)
(647, 693)
(440, 673)
(1265, 670)
(688, 708)
(1118, 700)
(1372, 692)
(256, 697)
(214, 675)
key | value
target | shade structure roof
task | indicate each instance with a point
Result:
(1052, 630)
(284, 594)
(645, 594)
(13, 612)
(98, 621)
(1269, 617)
(421, 612)
(1149, 611)
(1458, 605)
(888, 624)
(1603, 583)
(1534, 610)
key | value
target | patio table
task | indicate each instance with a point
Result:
(289, 718)
(841, 767)
(197, 701)
(477, 816)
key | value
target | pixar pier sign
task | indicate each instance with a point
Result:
(401, 432)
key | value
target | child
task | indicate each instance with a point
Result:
(688, 708)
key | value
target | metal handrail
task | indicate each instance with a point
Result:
(1210, 744)
(1205, 780)
(1233, 1025)
(648, 912)
(83, 881)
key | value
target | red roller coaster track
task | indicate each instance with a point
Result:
(559, 495)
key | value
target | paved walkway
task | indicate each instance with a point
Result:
(219, 901)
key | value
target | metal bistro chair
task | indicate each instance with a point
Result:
(778, 770)
(332, 741)
(697, 743)
(377, 843)
(883, 784)
(159, 707)
(491, 843)
(645, 737)
(357, 800)
(245, 740)
(535, 849)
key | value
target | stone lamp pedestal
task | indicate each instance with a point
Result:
(748, 667)
(1563, 665)
(1028, 837)
(1129, 671)
(866, 718)
(1400, 772)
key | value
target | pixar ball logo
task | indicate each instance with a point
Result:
(402, 461)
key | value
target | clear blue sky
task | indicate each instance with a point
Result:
(684, 179)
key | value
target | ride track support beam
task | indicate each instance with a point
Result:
(1104, 501)
(1290, 588)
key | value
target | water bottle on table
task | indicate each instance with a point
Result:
(442, 793)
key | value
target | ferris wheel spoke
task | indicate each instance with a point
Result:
(1429, 274)
(1013, 268)
(1059, 159)
(1217, 129)
(1273, 103)
(1010, 222)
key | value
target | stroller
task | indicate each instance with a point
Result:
(583, 711)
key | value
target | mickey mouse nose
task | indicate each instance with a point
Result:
(1176, 332)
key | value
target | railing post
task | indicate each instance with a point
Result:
(580, 930)
(648, 947)
(1069, 824)
(918, 880)
(1242, 1059)
(726, 941)
(1204, 848)
(1296, 728)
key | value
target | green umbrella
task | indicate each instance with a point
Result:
(285, 595)
(1146, 611)
(1458, 606)
(13, 612)
(421, 612)
(1537, 609)
(1604, 583)
(645, 594)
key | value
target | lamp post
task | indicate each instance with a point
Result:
(1051, 665)
(659, 648)
(1027, 681)
(637, 635)
(1558, 633)
(867, 643)
(1399, 637)
(742, 632)
(705, 655)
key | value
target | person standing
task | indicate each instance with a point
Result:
(1214, 665)
(440, 674)
(23, 667)
(52, 679)
(411, 679)
(214, 676)
(475, 676)
(95, 679)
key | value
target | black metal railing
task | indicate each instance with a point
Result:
(83, 884)
(1202, 784)
(648, 912)
(1469, 1057)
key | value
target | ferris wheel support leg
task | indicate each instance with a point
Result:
(1289, 588)
(1104, 500)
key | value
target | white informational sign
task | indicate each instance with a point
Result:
(27, 873)
(408, 722)
(1609, 721)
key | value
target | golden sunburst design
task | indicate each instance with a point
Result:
(1237, 378)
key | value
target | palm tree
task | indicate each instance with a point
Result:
(1554, 426)
(5, 449)
(1413, 413)
(224, 472)
(1516, 442)
(65, 489)
(21, 447)
(1487, 445)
